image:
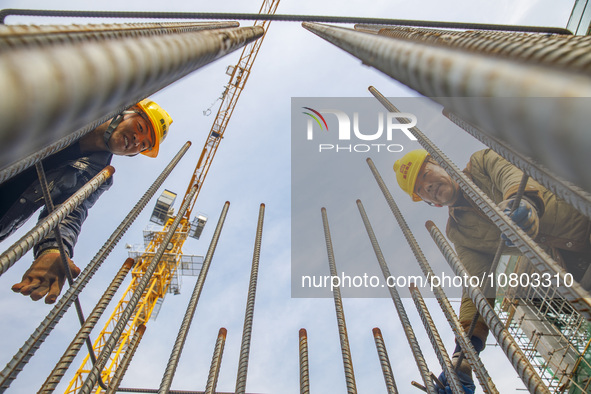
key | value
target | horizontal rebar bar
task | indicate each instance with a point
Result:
(16, 364)
(473, 358)
(30, 239)
(192, 305)
(524, 369)
(277, 17)
(542, 262)
(540, 110)
(121, 73)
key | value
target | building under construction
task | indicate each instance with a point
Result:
(61, 80)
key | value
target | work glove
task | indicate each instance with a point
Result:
(465, 379)
(525, 216)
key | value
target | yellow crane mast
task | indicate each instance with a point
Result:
(173, 258)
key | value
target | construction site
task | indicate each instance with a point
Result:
(210, 268)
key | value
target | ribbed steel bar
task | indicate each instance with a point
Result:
(531, 107)
(564, 189)
(473, 358)
(561, 51)
(70, 353)
(542, 262)
(408, 331)
(384, 361)
(122, 72)
(304, 367)
(524, 369)
(340, 311)
(155, 391)
(126, 360)
(271, 17)
(436, 342)
(249, 313)
(216, 362)
(192, 305)
(16, 364)
(20, 36)
(27, 241)
(109, 345)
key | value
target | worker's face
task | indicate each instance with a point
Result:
(132, 136)
(435, 186)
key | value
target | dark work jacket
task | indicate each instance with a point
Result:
(66, 172)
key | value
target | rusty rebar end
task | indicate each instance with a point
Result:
(189, 142)
(227, 203)
(303, 333)
(323, 210)
(358, 201)
(262, 205)
(429, 224)
(141, 329)
(412, 286)
(223, 332)
(376, 332)
(128, 263)
(110, 169)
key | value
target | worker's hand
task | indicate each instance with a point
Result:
(465, 379)
(45, 278)
(525, 216)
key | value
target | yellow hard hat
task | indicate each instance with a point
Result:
(407, 170)
(160, 120)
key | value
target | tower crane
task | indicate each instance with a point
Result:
(173, 260)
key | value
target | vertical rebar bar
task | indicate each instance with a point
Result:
(216, 362)
(123, 72)
(543, 263)
(249, 314)
(436, 342)
(384, 361)
(16, 364)
(27, 241)
(304, 367)
(473, 358)
(519, 361)
(408, 331)
(126, 360)
(109, 345)
(564, 189)
(72, 350)
(446, 75)
(340, 311)
(190, 312)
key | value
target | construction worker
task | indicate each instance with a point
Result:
(141, 129)
(555, 225)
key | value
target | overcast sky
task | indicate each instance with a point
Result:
(252, 166)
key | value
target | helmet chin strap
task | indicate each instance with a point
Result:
(112, 126)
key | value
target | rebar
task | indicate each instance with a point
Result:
(530, 107)
(384, 361)
(559, 51)
(30, 239)
(304, 367)
(436, 342)
(192, 305)
(72, 350)
(408, 331)
(126, 360)
(216, 362)
(542, 262)
(464, 341)
(121, 73)
(524, 369)
(18, 361)
(249, 313)
(271, 17)
(20, 36)
(574, 195)
(109, 345)
(340, 311)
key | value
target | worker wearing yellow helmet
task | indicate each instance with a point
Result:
(141, 129)
(555, 225)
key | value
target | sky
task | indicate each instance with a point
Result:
(253, 165)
